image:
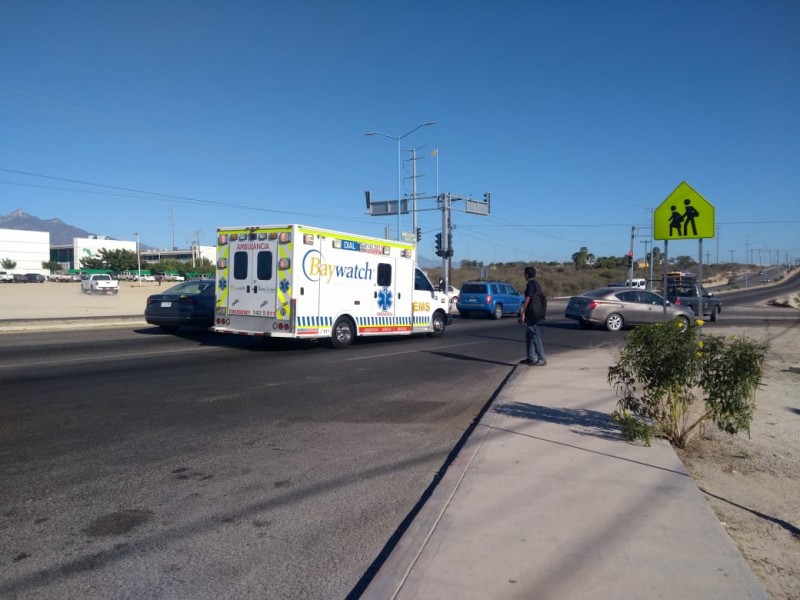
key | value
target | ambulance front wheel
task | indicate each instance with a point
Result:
(437, 325)
(343, 334)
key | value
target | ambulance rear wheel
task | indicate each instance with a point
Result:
(437, 325)
(343, 334)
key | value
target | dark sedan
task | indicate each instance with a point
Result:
(615, 308)
(188, 303)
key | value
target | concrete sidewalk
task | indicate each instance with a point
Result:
(547, 501)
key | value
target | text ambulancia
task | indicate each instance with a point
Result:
(294, 281)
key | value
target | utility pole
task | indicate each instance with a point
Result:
(630, 267)
(172, 222)
(746, 266)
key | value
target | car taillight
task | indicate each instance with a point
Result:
(186, 300)
(488, 298)
(677, 301)
(593, 304)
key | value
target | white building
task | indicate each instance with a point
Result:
(70, 255)
(29, 249)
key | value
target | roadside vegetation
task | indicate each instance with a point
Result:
(672, 380)
(119, 261)
(586, 272)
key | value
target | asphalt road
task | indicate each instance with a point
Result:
(137, 464)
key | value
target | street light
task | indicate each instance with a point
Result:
(652, 244)
(138, 260)
(397, 138)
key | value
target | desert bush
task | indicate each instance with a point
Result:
(671, 380)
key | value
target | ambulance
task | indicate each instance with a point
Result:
(300, 282)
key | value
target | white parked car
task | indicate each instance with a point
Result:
(452, 298)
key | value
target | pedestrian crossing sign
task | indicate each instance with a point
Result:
(684, 215)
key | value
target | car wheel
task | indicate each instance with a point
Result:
(463, 314)
(614, 322)
(714, 312)
(437, 324)
(343, 334)
(497, 313)
(684, 322)
(586, 324)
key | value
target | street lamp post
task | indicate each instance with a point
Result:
(138, 260)
(397, 138)
(652, 243)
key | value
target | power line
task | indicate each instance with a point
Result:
(159, 196)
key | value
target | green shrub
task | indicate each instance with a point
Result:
(671, 380)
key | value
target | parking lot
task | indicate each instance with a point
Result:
(55, 299)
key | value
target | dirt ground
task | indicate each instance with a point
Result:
(60, 300)
(753, 483)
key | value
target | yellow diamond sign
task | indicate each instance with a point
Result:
(684, 215)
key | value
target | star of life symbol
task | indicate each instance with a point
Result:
(223, 283)
(385, 299)
(284, 285)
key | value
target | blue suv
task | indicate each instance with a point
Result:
(490, 298)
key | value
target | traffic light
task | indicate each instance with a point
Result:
(449, 244)
(419, 234)
(630, 259)
(439, 244)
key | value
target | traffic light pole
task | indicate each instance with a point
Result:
(446, 239)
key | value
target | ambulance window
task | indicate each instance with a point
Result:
(384, 274)
(264, 266)
(240, 265)
(421, 282)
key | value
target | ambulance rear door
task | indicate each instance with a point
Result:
(252, 296)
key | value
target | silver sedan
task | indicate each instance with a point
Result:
(615, 308)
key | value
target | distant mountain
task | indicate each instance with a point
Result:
(60, 232)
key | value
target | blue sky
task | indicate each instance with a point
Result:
(174, 118)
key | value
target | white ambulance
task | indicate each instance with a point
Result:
(294, 281)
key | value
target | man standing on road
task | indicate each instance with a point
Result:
(532, 314)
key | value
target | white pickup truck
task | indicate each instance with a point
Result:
(100, 284)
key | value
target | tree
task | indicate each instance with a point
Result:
(683, 263)
(582, 258)
(656, 256)
(51, 265)
(114, 260)
(9, 264)
(470, 263)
